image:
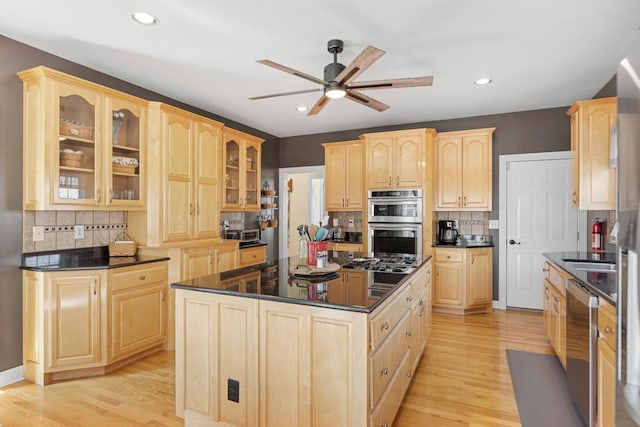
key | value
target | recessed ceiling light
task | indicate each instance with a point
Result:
(483, 81)
(302, 108)
(144, 18)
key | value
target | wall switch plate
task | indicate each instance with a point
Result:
(494, 224)
(233, 390)
(38, 233)
(336, 222)
(351, 222)
(78, 231)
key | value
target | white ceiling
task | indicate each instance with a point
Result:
(540, 54)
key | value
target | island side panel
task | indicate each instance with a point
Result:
(312, 366)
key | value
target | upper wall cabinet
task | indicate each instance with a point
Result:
(396, 159)
(463, 170)
(241, 158)
(183, 188)
(344, 167)
(83, 145)
(594, 181)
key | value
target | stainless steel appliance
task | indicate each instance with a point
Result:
(582, 341)
(246, 237)
(628, 237)
(395, 206)
(394, 264)
(447, 232)
(385, 239)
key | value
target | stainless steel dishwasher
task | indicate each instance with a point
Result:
(582, 341)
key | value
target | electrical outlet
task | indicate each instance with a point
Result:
(38, 233)
(351, 222)
(233, 390)
(494, 224)
(78, 231)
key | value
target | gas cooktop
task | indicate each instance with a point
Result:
(400, 264)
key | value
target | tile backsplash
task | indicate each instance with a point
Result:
(100, 228)
(468, 222)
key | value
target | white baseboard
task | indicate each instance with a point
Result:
(11, 376)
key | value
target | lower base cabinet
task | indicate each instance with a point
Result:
(314, 366)
(84, 323)
(463, 282)
(606, 365)
(555, 308)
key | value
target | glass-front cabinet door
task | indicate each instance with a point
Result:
(76, 164)
(251, 176)
(124, 133)
(231, 196)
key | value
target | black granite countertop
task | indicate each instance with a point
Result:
(95, 258)
(245, 245)
(602, 284)
(463, 245)
(318, 292)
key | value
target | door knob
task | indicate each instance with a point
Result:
(513, 242)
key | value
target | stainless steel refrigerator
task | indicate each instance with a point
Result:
(628, 302)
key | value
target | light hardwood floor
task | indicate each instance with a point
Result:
(463, 380)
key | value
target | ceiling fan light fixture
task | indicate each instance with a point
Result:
(144, 18)
(302, 108)
(334, 91)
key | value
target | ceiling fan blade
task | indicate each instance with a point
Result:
(295, 92)
(292, 71)
(324, 100)
(360, 63)
(393, 83)
(365, 100)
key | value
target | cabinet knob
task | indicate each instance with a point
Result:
(343, 203)
(389, 180)
(384, 371)
(408, 333)
(408, 374)
(545, 270)
(608, 330)
(459, 201)
(198, 209)
(142, 277)
(347, 202)
(163, 294)
(190, 208)
(111, 195)
(397, 180)
(385, 326)
(464, 201)
(384, 424)
(409, 299)
(98, 195)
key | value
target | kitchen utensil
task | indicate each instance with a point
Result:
(325, 221)
(321, 233)
(313, 229)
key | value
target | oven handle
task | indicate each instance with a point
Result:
(395, 201)
(395, 226)
(582, 294)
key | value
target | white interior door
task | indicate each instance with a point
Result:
(540, 219)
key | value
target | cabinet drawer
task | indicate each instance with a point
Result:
(387, 358)
(556, 277)
(137, 275)
(386, 410)
(253, 256)
(382, 324)
(347, 247)
(607, 322)
(449, 255)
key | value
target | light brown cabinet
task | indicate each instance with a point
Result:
(202, 261)
(350, 288)
(555, 308)
(308, 369)
(253, 256)
(396, 159)
(606, 364)
(83, 144)
(183, 190)
(344, 173)
(241, 157)
(79, 323)
(594, 180)
(463, 282)
(137, 309)
(463, 170)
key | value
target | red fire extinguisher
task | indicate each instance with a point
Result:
(596, 235)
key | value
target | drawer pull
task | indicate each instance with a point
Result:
(385, 325)
(384, 424)
(608, 330)
(384, 371)
(408, 374)
(409, 299)
(545, 270)
(142, 277)
(163, 294)
(408, 333)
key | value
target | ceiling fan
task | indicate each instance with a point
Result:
(338, 79)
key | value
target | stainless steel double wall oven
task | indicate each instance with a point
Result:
(395, 223)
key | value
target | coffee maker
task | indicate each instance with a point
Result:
(447, 232)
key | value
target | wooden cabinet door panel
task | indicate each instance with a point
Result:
(207, 162)
(606, 384)
(448, 284)
(354, 191)
(336, 175)
(480, 286)
(599, 179)
(449, 172)
(73, 320)
(380, 162)
(138, 317)
(476, 172)
(197, 263)
(179, 179)
(408, 164)
(226, 257)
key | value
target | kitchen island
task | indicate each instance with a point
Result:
(336, 351)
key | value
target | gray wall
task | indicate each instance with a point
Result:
(16, 57)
